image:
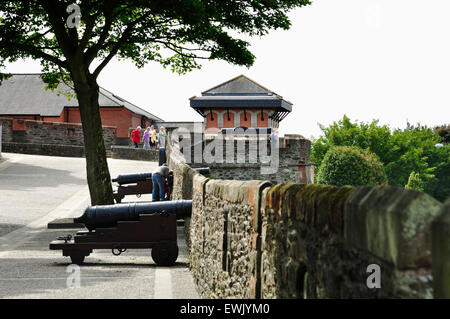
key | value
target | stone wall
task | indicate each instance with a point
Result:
(182, 182)
(6, 130)
(254, 240)
(320, 242)
(23, 133)
(242, 157)
(250, 239)
(131, 153)
(44, 149)
(441, 253)
(224, 230)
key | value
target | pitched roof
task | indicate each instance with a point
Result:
(238, 85)
(240, 92)
(25, 94)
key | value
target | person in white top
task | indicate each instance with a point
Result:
(162, 137)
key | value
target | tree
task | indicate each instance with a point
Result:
(370, 136)
(411, 150)
(350, 165)
(402, 151)
(175, 33)
(415, 182)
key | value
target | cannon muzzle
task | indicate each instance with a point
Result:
(132, 178)
(102, 216)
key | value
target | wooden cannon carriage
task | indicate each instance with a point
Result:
(127, 226)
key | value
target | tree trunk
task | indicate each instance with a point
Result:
(98, 177)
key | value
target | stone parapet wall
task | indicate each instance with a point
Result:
(38, 132)
(131, 153)
(6, 130)
(242, 157)
(253, 240)
(319, 242)
(44, 149)
(183, 173)
(441, 253)
(303, 174)
(224, 234)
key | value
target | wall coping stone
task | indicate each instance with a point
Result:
(441, 253)
(392, 223)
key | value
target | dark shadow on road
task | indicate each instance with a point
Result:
(7, 228)
(26, 177)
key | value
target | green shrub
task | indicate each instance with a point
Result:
(350, 165)
(401, 151)
(415, 181)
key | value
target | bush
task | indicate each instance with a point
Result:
(415, 181)
(350, 165)
(401, 151)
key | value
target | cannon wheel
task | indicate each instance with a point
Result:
(165, 254)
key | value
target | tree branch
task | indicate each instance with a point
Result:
(118, 44)
(51, 7)
(92, 52)
(34, 51)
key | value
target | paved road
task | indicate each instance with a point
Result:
(35, 190)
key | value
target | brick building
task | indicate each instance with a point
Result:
(240, 102)
(23, 97)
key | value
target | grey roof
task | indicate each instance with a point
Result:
(25, 94)
(240, 92)
(241, 85)
(273, 101)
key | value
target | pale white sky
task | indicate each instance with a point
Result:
(369, 59)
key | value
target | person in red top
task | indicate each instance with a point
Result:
(136, 136)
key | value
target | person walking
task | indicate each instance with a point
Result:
(146, 138)
(136, 136)
(158, 182)
(153, 139)
(162, 137)
(152, 128)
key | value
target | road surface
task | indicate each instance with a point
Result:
(35, 190)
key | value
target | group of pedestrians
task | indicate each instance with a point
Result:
(152, 138)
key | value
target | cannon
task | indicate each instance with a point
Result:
(127, 226)
(108, 215)
(141, 183)
(132, 178)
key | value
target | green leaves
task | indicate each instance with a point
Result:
(402, 152)
(368, 136)
(175, 33)
(349, 165)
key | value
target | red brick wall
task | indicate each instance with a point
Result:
(121, 118)
(211, 123)
(263, 123)
(250, 112)
(247, 116)
(226, 123)
(18, 125)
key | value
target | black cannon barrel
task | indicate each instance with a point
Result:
(102, 216)
(132, 178)
(203, 170)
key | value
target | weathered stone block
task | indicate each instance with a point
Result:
(441, 253)
(391, 223)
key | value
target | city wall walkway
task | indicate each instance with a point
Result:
(35, 190)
